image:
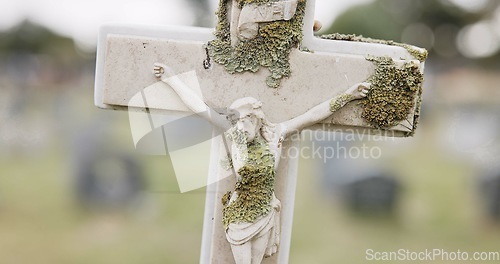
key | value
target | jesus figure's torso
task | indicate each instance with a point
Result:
(255, 164)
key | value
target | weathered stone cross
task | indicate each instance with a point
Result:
(244, 59)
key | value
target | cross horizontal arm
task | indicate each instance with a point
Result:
(315, 90)
(127, 56)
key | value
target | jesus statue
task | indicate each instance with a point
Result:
(251, 213)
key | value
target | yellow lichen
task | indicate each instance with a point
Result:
(226, 198)
(270, 49)
(416, 117)
(242, 3)
(417, 53)
(339, 102)
(394, 90)
(255, 186)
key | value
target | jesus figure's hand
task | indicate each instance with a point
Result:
(359, 91)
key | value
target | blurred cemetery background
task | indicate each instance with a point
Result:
(74, 190)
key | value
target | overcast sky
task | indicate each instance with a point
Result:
(81, 19)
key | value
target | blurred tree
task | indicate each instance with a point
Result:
(32, 56)
(30, 38)
(441, 26)
(202, 11)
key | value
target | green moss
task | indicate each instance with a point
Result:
(226, 198)
(393, 93)
(339, 102)
(227, 163)
(222, 30)
(394, 90)
(416, 118)
(255, 187)
(242, 3)
(270, 49)
(417, 53)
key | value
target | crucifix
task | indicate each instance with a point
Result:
(260, 77)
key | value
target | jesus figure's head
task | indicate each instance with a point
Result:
(248, 117)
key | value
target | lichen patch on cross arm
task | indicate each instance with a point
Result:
(395, 92)
(270, 49)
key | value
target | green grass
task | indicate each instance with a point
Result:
(439, 208)
(41, 223)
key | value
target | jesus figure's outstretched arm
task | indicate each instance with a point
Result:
(189, 97)
(325, 109)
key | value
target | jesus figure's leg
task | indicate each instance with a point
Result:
(242, 253)
(259, 246)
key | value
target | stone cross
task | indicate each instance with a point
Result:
(315, 71)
